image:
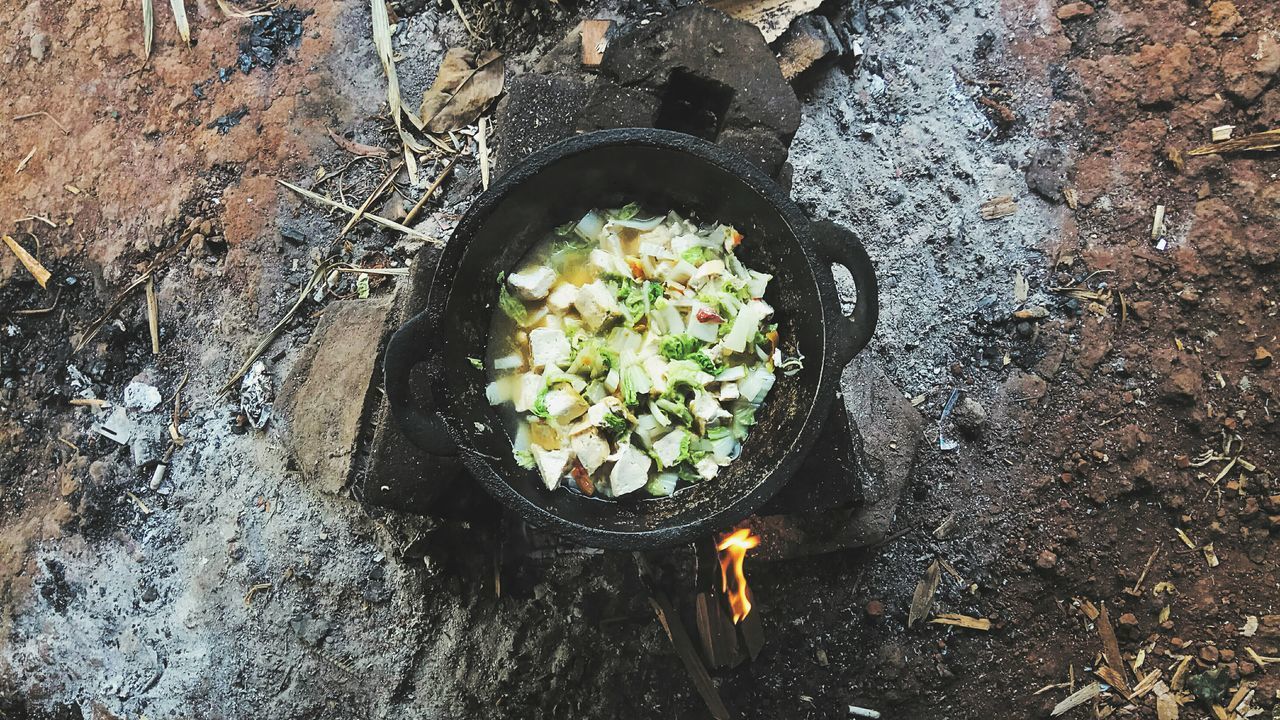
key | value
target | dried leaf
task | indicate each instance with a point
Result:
(148, 26)
(963, 621)
(180, 19)
(1180, 673)
(1077, 698)
(922, 600)
(358, 149)
(382, 42)
(153, 316)
(1183, 537)
(482, 148)
(1268, 140)
(1167, 707)
(28, 261)
(463, 88)
(772, 17)
(1072, 198)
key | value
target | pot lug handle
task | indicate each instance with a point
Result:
(837, 244)
(409, 346)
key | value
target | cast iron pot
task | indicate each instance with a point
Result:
(659, 169)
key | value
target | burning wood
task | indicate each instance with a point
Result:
(733, 549)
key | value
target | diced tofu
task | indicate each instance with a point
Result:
(706, 409)
(564, 404)
(533, 283)
(596, 304)
(526, 394)
(667, 448)
(706, 332)
(549, 346)
(729, 391)
(681, 272)
(706, 271)
(607, 262)
(630, 470)
(707, 468)
(592, 449)
(562, 296)
(551, 464)
(746, 325)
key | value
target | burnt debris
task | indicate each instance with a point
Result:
(269, 36)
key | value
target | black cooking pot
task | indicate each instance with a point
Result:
(660, 170)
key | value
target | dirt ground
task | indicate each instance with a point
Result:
(1118, 449)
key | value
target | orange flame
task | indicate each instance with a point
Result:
(733, 549)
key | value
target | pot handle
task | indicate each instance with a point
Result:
(838, 245)
(409, 346)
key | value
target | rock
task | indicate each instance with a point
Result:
(1181, 386)
(1048, 174)
(1261, 357)
(808, 42)
(1161, 74)
(1209, 654)
(970, 417)
(39, 46)
(739, 99)
(145, 448)
(1223, 18)
(1023, 386)
(875, 609)
(141, 396)
(1074, 11)
(536, 111)
(1248, 67)
(1046, 560)
(322, 400)
(1128, 620)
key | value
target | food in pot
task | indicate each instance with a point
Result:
(633, 353)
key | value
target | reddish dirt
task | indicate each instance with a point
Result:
(1099, 472)
(1104, 467)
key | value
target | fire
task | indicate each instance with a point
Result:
(733, 549)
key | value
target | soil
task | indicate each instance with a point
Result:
(1091, 433)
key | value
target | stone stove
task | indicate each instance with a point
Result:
(697, 71)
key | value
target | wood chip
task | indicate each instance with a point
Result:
(1167, 707)
(998, 207)
(1145, 685)
(963, 621)
(1020, 287)
(1174, 155)
(949, 524)
(1222, 132)
(1072, 198)
(1180, 674)
(1210, 556)
(1136, 590)
(1241, 693)
(1077, 698)
(1088, 608)
(180, 19)
(1268, 140)
(772, 17)
(22, 164)
(1185, 540)
(1157, 224)
(922, 600)
(1111, 649)
(595, 38)
(28, 261)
